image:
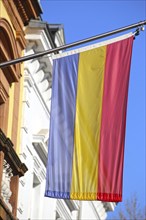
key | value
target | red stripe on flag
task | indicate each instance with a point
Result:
(112, 136)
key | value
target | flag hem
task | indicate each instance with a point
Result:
(105, 197)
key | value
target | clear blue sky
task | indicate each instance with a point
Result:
(82, 19)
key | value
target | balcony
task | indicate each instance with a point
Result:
(11, 169)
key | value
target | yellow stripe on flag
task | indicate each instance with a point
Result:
(87, 123)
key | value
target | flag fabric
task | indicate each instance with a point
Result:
(87, 122)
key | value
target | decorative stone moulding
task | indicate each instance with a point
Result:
(12, 168)
(11, 157)
(6, 179)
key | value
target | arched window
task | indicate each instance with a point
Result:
(8, 75)
(8, 51)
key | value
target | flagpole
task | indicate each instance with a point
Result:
(106, 34)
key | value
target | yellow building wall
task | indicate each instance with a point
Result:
(20, 109)
(10, 115)
(4, 14)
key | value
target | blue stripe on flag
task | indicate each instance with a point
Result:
(61, 139)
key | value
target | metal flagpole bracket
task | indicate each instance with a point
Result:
(137, 32)
(140, 26)
(138, 29)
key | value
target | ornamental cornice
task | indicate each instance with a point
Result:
(41, 29)
(16, 20)
(38, 35)
(21, 12)
(29, 9)
(41, 80)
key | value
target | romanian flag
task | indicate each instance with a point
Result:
(88, 120)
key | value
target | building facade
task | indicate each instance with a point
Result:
(14, 15)
(36, 113)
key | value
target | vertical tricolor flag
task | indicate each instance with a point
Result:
(88, 118)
